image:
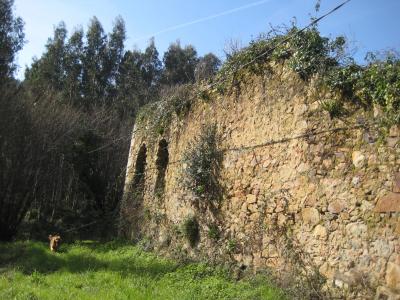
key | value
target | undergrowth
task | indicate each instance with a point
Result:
(115, 270)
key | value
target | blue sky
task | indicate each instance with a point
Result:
(370, 25)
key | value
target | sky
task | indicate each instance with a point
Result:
(369, 25)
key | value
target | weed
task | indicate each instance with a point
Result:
(213, 232)
(181, 105)
(191, 231)
(231, 246)
(204, 95)
(333, 107)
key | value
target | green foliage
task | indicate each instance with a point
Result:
(179, 64)
(378, 83)
(250, 57)
(343, 79)
(310, 53)
(206, 67)
(116, 270)
(181, 101)
(333, 107)
(191, 230)
(11, 38)
(231, 246)
(204, 95)
(213, 232)
(203, 164)
(306, 52)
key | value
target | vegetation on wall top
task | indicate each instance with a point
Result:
(309, 54)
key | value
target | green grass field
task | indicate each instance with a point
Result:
(114, 270)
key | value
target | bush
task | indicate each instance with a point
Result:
(191, 230)
(376, 84)
(333, 107)
(310, 53)
(343, 79)
(203, 164)
(380, 84)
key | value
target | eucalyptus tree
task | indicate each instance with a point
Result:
(179, 64)
(11, 38)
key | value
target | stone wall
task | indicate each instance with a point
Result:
(300, 191)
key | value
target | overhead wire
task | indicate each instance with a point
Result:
(268, 51)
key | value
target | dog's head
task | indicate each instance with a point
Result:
(55, 241)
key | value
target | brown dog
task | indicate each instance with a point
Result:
(55, 241)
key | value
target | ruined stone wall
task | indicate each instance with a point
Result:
(298, 187)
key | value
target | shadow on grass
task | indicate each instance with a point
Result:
(35, 257)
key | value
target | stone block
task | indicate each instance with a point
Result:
(394, 131)
(396, 183)
(392, 141)
(252, 207)
(358, 159)
(336, 206)
(250, 198)
(282, 220)
(388, 203)
(356, 229)
(255, 217)
(310, 215)
(320, 232)
(393, 276)
(383, 293)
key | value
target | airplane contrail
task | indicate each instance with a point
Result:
(224, 13)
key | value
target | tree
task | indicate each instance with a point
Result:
(115, 54)
(18, 163)
(179, 64)
(131, 85)
(48, 72)
(53, 61)
(95, 75)
(11, 38)
(151, 68)
(207, 67)
(74, 68)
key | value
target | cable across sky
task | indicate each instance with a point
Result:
(204, 19)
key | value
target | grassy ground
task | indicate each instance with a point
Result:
(90, 270)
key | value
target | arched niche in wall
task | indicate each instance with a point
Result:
(162, 164)
(140, 168)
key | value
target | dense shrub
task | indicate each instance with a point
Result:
(377, 83)
(343, 79)
(191, 231)
(380, 84)
(333, 107)
(203, 163)
(310, 53)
